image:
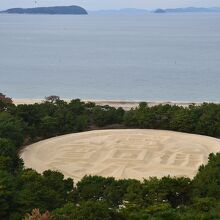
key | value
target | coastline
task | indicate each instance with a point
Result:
(125, 104)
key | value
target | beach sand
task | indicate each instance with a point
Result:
(127, 153)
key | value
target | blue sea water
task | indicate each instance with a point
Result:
(117, 57)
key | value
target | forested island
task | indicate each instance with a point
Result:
(75, 10)
(51, 196)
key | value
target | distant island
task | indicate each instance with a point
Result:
(189, 9)
(120, 11)
(72, 10)
(159, 10)
(77, 10)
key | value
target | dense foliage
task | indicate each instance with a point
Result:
(94, 198)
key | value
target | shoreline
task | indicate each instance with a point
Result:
(125, 104)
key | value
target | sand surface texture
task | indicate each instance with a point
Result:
(122, 153)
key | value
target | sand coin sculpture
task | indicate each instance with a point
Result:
(136, 153)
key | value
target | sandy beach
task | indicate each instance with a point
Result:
(128, 153)
(126, 105)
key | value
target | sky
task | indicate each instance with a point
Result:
(111, 4)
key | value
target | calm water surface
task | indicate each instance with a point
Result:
(144, 57)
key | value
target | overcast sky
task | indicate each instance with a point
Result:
(111, 4)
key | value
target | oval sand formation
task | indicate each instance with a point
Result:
(127, 153)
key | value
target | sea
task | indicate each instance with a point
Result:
(150, 57)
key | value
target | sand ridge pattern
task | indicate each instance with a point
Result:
(127, 153)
